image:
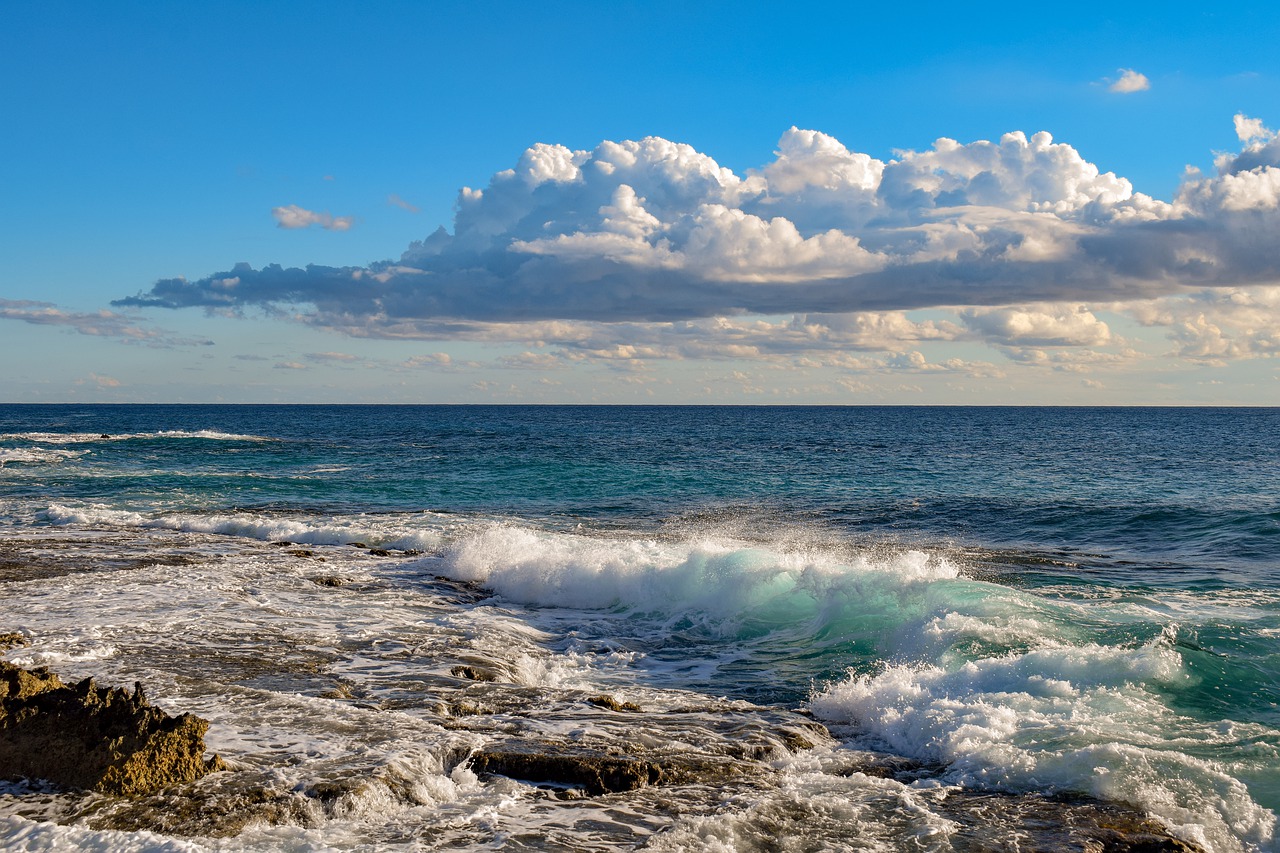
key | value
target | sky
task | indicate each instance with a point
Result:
(640, 203)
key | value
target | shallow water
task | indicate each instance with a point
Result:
(1008, 603)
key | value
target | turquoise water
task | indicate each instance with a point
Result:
(1033, 599)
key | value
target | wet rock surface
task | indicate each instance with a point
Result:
(598, 772)
(988, 821)
(28, 560)
(105, 739)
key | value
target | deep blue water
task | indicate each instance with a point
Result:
(1149, 495)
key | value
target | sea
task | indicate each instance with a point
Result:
(829, 628)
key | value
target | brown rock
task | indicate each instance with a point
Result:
(12, 640)
(101, 738)
(612, 704)
(328, 580)
(596, 771)
(473, 673)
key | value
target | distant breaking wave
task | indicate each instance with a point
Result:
(36, 455)
(88, 437)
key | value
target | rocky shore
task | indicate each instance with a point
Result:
(104, 739)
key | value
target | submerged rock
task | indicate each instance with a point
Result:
(101, 738)
(986, 820)
(609, 703)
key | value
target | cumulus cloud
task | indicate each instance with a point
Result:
(1130, 81)
(292, 216)
(1040, 326)
(654, 245)
(1214, 326)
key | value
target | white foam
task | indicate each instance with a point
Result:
(1085, 719)
(94, 437)
(36, 455)
(19, 833)
(716, 576)
(254, 526)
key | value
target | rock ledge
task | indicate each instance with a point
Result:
(105, 739)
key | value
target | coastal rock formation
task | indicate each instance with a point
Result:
(598, 772)
(106, 739)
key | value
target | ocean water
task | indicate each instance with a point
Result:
(1014, 610)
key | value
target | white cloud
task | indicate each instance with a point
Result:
(103, 324)
(289, 365)
(1248, 129)
(431, 359)
(654, 245)
(1130, 81)
(1040, 326)
(1218, 325)
(292, 216)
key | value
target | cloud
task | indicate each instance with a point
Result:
(396, 201)
(331, 357)
(104, 324)
(1214, 326)
(1040, 326)
(638, 234)
(431, 359)
(288, 365)
(291, 216)
(1130, 81)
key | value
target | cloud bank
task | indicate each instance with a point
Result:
(1017, 237)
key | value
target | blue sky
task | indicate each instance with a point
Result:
(730, 260)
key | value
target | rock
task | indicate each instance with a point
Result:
(612, 704)
(357, 545)
(328, 580)
(474, 673)
(101, 738)
(379, 552)
(301, 552)
(599, 772)
(283, 543)
(987, 820)
(13, 640)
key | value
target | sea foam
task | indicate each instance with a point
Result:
(1086, 719)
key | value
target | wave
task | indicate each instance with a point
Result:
(36, 455)
(706, 573)
(94, 437)
(1088, 719)
(251, 526)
